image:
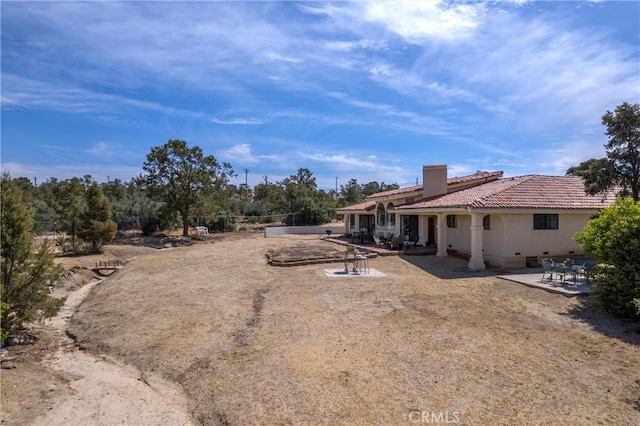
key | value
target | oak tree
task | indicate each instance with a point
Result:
(621, 167)
(181, 176)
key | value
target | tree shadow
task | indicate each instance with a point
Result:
(450, 267)
(587, 311)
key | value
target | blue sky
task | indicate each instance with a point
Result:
(364, 90)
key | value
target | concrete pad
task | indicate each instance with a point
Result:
(340, 273)
(567, 288)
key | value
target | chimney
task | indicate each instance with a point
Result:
(434, 180)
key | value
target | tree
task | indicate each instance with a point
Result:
(182, 176)
(97, 228)
(351, 192)
(374, 187)
(306, 205)
(613, 239)
(25, 269)
(70, 206)
(621, 166)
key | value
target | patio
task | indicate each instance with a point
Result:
(382, 251)
(456, 267)
(567, 288)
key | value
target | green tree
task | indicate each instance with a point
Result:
(621, 167)
(181, 176)
(26, 269)
(306, 205)
(97, 228)
(351, 192)
(613, 239)
(374, 187)
(70, 206)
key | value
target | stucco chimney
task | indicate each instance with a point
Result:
(434, 180)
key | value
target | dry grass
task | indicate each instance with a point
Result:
(256, 344)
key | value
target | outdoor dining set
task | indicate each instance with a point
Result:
(359, 260)
(560, 271)
(383, 239)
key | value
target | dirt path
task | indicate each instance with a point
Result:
(104, 391)
(72, 387)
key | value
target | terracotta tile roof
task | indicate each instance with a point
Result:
(399, 191)
(471, 178)
(530, 191)
(455, 181)
(366, 205)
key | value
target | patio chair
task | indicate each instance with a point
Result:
(378, 242)
(547, 268)
(350, 256)
(413, 243)
(362, 262)
(586, 271)
(561, 271)
(394, 243)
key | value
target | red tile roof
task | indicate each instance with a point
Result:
(530, 191)
(450, 182)
(399, 191)
(470, 178)
(366, 205)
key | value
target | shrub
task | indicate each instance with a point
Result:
(613, 239)
(25, 269)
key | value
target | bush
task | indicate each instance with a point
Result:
(613, 239)
(26, 269)
(225, 222)
(4, 307)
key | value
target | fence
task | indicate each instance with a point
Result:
(302, 230)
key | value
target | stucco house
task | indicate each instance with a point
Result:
(502, 221)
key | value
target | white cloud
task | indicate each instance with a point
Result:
(240, 151)
(60, 96)
(348, 46)
(417, 21)
(277, 57)
(102, 150)
(241, 121)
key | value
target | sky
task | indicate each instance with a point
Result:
(366, 90)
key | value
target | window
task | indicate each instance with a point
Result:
(391, 216)
(452, 221)
(545, 221)
(352, 221)
(382, 215)
(486, 222)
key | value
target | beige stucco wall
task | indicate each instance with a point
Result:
(492, 240)
(512, 238)
(460, 238)
(524, 239)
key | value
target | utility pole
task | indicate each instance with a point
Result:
(336, 195)
(246, 184)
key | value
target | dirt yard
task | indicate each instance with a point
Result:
(249, 343)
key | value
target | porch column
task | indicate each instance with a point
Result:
(347, 219)
(442, 236)
(477, 261)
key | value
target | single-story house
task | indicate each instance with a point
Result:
(509, 222)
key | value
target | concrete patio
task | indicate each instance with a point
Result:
(567, 288)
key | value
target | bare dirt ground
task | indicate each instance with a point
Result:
(249, 343)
